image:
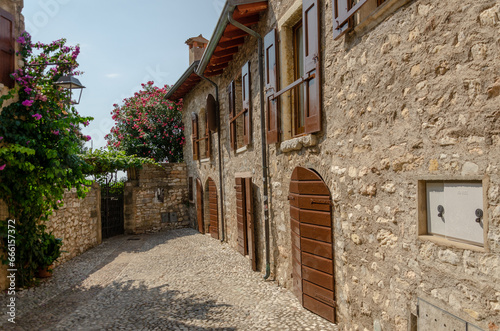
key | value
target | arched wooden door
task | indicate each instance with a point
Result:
(312, 242)
(213, 210)
(199, 205)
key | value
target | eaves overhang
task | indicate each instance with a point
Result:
(227, 38)
(223, 44)
(187, 81)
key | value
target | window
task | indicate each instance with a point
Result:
(347, 13)
(201, 145)
(190, 189)
(7, 53)
(453, 211)
(294, 109)
(240, 118)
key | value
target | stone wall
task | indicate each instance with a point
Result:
(77, 223)
(411, 96)
(156, 197)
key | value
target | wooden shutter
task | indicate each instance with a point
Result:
(241, 216)
(208, 136)
(194, 136)
(312, 81)
(247, 115)
(7, 53)
(213, 209)
(271, 87)
(250, 223)
(343, 11)
(199, 206)
(232, 110)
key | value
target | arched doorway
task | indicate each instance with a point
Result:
(199, 205)
(312, 242)
(213, 214)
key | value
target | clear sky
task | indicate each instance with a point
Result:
(124, 43)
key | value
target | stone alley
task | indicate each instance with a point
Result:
(176, 280)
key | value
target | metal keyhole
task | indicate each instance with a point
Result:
(479, 215)
(440, 211)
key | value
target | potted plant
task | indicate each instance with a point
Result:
(48, 251)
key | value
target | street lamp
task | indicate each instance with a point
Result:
(70, 83)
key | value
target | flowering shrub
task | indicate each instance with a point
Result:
(147, 125)
(40, 140)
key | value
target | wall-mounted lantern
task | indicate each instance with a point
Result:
(70, 83)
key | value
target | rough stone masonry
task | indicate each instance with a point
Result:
(409, 97)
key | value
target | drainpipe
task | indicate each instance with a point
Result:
(265, 167)
(221, 195)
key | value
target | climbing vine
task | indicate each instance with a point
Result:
(40, 142)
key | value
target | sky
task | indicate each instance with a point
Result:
(124, 43)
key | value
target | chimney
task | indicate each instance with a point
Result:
(197, 46)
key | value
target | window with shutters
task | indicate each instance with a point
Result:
(361, 14)
(453, 212)
(7, 45)
(201, 136)
(292, 73)
(240, 110)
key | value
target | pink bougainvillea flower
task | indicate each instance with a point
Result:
(3, 167)
(21, 40)
(1, 138)
(28, 90)
(56, 132)
(37, 116)
(87, 138)
(27, 103)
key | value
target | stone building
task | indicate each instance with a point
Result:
(11, 27)
(354, 155)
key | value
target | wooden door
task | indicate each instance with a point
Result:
(213, 210)
(199, 205)
(312, 243)
(241, 216)
(245, 219)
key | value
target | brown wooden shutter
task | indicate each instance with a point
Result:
(194, 136)
(232, 110)
(241, 216)
(271, 87)
(208, 136)
(213, 209)
(199, 206)
(7, 53)
(250, 223)
(247, 115)
(312, 81)
(340, 9)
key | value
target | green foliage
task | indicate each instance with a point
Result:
(40, 139)
(103, 164)
(147, 125)
(48, 249)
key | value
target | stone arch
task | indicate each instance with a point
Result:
(312, 242)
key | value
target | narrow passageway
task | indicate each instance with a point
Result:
(176, 280)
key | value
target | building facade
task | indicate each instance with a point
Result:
(351, 150)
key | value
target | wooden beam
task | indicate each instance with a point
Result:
(231, 43)
(225, 52)
(243, 10)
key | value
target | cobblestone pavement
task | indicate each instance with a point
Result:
(176, 280)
